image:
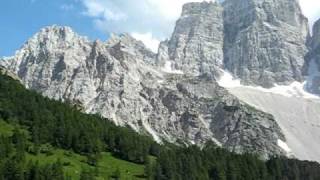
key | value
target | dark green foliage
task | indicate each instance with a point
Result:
(215, 163)
(13, 165)
(61, 125)
(117, 174)
(87, 175)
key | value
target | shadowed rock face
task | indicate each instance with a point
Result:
(264, 41)
(120, 80)
(313, 61)
(315, 41)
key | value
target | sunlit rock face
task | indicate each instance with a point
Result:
(196, 45)
(121, 80)
(265, 41)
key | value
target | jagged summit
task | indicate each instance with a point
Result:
(265, 41)
(196, 7)
(119, 80)
(55, 34)
(196, 45)
(261, 42)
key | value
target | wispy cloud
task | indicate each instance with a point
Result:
(149, 20)
(311, 8)
(67, 7)
(152, 20)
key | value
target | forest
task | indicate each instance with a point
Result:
(32, 125)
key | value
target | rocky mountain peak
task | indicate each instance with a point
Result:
(53, 37)
(196, 8)
(125, 44)
(285, 11)
(119, 80)
(196, 44)
(173, 95)
(265, 41)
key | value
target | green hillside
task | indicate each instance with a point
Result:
(73, 164)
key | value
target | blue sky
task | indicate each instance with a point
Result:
(20, 19)
(147, 20)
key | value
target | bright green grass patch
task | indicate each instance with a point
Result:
(73, 163)
(5, 128)
(106, 167)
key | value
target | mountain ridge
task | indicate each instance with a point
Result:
(174, 95)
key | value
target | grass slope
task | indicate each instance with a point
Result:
(74, 163)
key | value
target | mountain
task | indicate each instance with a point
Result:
(45, 139)
(177, 95)
(313, 67)
(196, 45)
(117, 80)
(265, 41)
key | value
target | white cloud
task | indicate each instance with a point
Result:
(148, 40)
(311, 9)
(149, 20)
(152, 19)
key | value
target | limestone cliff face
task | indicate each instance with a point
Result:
(315, 42)
(262, 42)
(265, 41)
(312, 66)
(196, 45)
(173, 95)
(121, 80)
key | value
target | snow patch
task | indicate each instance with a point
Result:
(298, 118)
(148, 39)
(228, 81)
(168, 68)
(295, 89)
(284, 146)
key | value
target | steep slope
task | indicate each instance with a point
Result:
(196, 45)
(264, 41)
(313, 61)
(297, 117)
(46, 139)
(173, 95)
(117, 79)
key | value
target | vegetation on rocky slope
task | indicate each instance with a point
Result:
(45, 139)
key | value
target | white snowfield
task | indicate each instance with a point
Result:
(296, 111)
(285, 147)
